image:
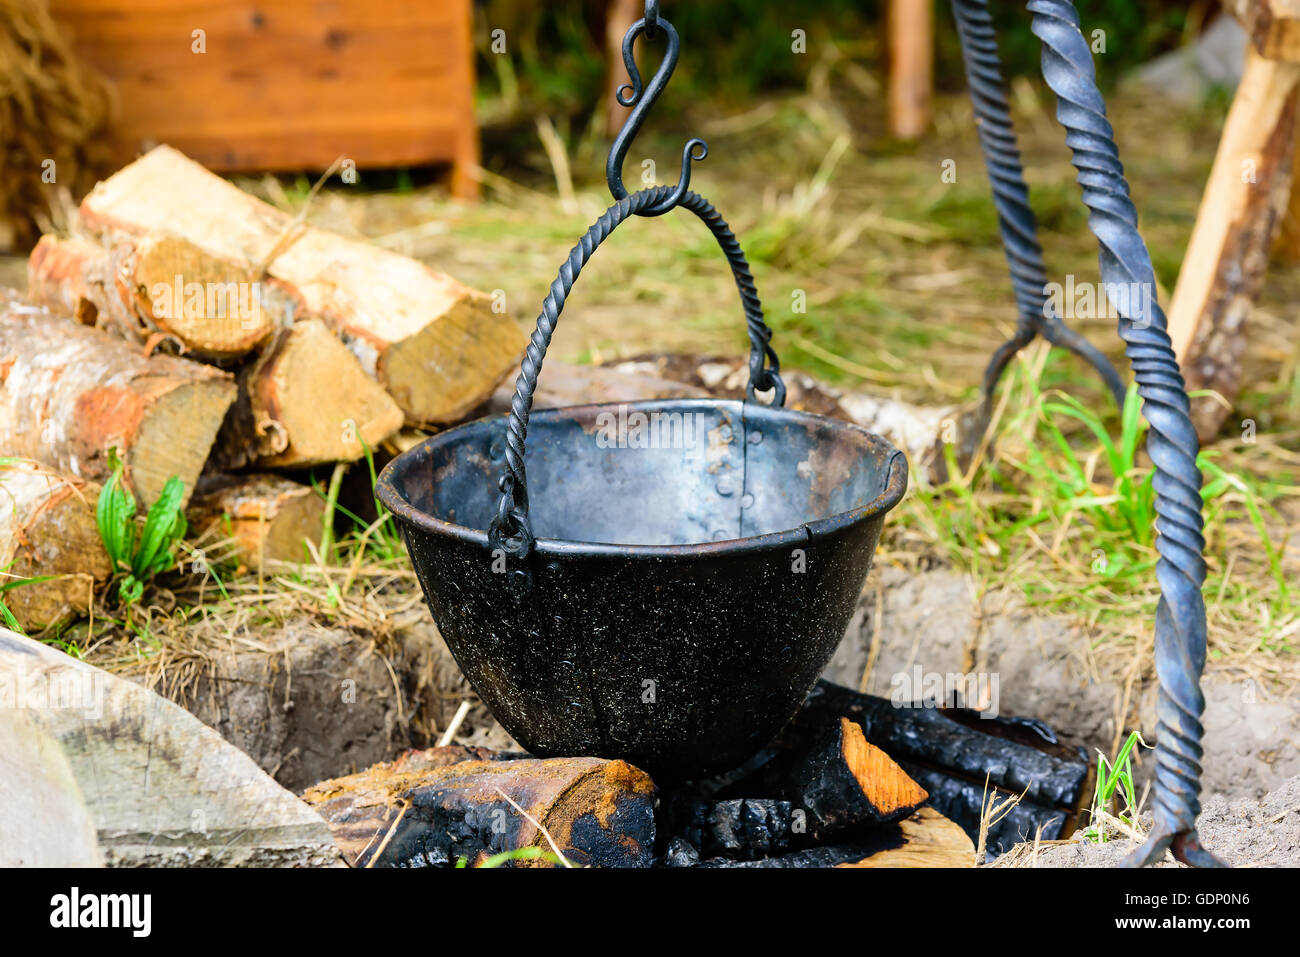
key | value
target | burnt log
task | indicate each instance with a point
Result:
(926, 839)
(744, 828)
(957, 757)
(840, 781)
(422, 812)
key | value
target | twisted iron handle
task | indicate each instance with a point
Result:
(1171, 440)
(1016, 221)
(511, 530)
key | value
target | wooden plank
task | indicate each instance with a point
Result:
(290, 85)
(1244, 202)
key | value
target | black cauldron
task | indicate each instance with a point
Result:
(695, 564)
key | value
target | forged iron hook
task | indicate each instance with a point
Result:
(641, 99)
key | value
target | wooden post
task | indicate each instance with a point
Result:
(619, 17)
(1245, 201)
(911, 67)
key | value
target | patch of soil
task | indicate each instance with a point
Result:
(309, 702)
(1244, 833)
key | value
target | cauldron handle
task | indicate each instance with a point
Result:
(510, 530)
(1171, 440)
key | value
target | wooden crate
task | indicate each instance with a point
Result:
(288, 84)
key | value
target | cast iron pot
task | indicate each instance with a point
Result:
(660, 581)
(679, 601)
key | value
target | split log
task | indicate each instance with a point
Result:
(305, 401)
(926, 839)
(266, 516)
(438, 347)
(599, 813)
(953, 755)
(48, 531)
(153, 287)
(1227, 256)
(840, 780)
(68, 394)
(160, 787)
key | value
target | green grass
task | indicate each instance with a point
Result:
(1064, 507)
(1114, 778)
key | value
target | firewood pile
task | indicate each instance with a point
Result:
(204, 334)
(853, 782)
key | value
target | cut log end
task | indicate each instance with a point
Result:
(306, 402)
(212, 306)
(886, 786)
(266, 516)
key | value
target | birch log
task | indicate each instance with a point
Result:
(48, 531)
(69, 393)
(153, 286)
(437, 346)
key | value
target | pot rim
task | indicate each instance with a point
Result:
(895, 487)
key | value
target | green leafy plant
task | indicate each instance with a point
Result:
(138, 552)
(1114, 778)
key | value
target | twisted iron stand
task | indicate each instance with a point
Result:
(1172, 444)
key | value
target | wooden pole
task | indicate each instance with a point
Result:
(911, 67)
(1244, 201)
(619, 17)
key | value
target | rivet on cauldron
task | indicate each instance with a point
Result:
(755, 437)
(725, 486)
(747, 500)
(497, 450)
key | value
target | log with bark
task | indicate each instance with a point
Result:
(159, 787)
(305, 401)
(153, 289)
(438, 347)
(51, 555)
(440, 808)
(69, 393)
(267, 517)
